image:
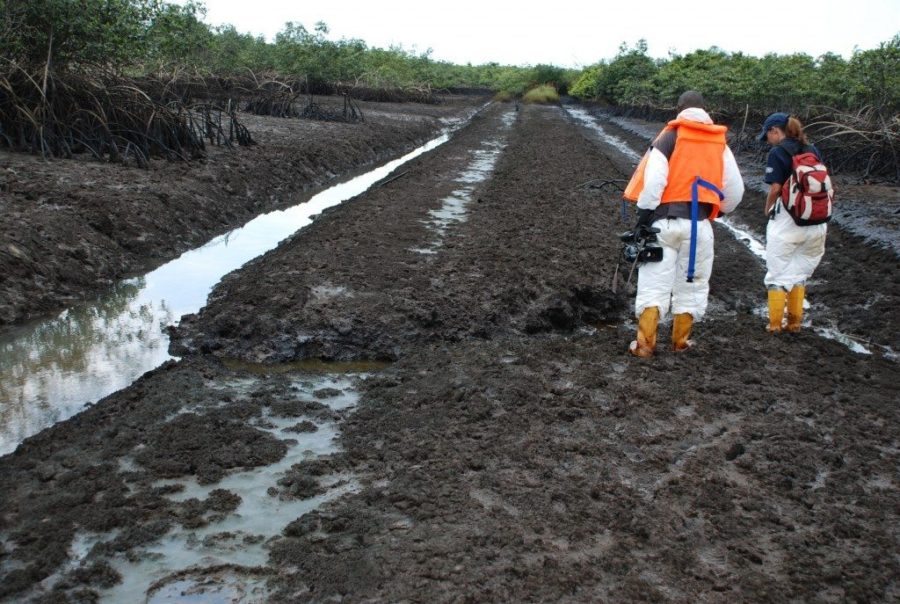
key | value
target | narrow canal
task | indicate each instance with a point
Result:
(51, 369)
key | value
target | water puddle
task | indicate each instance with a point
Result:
(745, 236)
(852, 343)
(758, 248)
(587, 120)
(49, 370)
(647, 131)
(454, 123)
(453, 208)
(221, 561)
(315, 366)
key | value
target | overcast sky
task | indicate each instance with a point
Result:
(575, 34)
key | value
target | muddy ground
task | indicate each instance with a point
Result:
(70, 228)
(511, 451)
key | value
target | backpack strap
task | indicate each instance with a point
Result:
(786, 146)
(800, 149)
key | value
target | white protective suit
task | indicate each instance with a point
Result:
(665, 281)
(792, 252)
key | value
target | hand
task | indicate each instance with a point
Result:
(644, 220)
(773, 196)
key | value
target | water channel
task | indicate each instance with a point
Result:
(51, 369)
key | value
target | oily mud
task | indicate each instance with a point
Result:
(70, 228)
(511, 450)
(361, 283)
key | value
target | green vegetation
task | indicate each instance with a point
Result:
(851, 107)
(731, 81)
(136, 37)
(543, 93)
(170, 55)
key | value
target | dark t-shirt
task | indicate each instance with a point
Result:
(778, 164)
(665, 143)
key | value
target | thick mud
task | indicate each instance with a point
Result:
(69, 229)
(365, 280)
(511, 451)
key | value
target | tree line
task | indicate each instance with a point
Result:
(140, 36)
(850, 99)
(731, 81)
(851, 106)
(134, 37)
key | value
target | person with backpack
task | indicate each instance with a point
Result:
(799, 205)
(687, 178)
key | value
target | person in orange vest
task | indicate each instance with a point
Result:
(687, 178)
(792, 252)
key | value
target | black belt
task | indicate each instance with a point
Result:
(681, 209)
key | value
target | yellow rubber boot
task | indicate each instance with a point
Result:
(795, 308)
(645, 345)
(681, 331)
(777, 299)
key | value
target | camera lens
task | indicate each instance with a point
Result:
(630, 252)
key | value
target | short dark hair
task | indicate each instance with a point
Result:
(690, 98)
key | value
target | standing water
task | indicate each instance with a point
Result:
(221, 558)
(50, 370)
(588, 121)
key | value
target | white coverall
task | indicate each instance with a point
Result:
(792, 252)
(660, 282)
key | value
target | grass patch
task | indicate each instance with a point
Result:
(542, 94)
(503, 96)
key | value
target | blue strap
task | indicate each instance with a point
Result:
(695, 215)
(624, 211)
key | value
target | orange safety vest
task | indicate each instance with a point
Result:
(699, 150)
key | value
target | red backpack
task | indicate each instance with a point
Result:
(808, 194)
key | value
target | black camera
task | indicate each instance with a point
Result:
(640, 245)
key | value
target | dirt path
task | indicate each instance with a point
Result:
(512, 451)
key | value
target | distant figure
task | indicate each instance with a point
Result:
(793, 250)
(688, 160)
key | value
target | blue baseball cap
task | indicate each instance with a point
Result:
(776, 119)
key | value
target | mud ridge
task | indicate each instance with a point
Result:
(359, 285)
(72, 227)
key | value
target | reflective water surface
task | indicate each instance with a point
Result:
(454, 208)
(221, 560)
(592, 123)
(49, 370)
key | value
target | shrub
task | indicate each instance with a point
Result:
(542, 94)
(107, 115)
(587, 85)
